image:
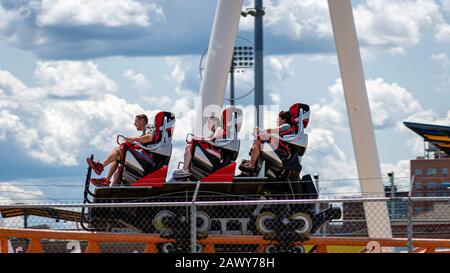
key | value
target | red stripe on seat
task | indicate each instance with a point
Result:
(225, 174)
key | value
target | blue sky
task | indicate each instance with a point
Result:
(73, 75)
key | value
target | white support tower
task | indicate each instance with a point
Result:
(218, 61)
(364, 145)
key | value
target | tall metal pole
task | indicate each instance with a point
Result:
(316, 179)
(393, 190)
(410, 228)
(232, 85)
(259, 61)
(367, 161)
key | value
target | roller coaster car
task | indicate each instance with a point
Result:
(274, 179)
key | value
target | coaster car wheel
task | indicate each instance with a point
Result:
(169, 248)
(303, 223)
(203, 222)
(264, 222)
(161, 220)
(296, 249)
(271, 249)
(199, 248)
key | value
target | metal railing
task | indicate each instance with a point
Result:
(228, 225)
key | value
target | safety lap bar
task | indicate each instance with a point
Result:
(216, 144)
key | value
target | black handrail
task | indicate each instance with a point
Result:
(85, 197)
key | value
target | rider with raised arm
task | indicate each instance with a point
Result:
(115, 156)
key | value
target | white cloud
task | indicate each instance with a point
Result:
(73, 79)
(184, 71)
(110, 13)
(14, 29)
(84, 118)
(397, 51)
(338, 173)
(69, 128)
(139, 80)
(442, 120)
(11, 194)
(12, 124)
(446, 5)
(5, 103)
(46, 26)
(325, 157)
(390, 104)
(443, 32)
(331, 59)
(276, 99)
(443, 29)
(15, 91)
(395, 24)
(294, 19)
(162, 102)
(443, 60)
(328, 114)
(277, 69)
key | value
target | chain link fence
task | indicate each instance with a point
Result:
(187, 223)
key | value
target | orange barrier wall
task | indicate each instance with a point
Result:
(321, 244)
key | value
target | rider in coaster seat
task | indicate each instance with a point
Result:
(216, 133)
(281, 154)
(139, 156)
(147, 164)
(264, 136)
(205, 156)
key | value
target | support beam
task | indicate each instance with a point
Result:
(259, 62)
(218, 60)
(361, 126)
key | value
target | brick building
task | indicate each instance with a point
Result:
(430, 172)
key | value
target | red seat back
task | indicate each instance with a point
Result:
(159, 125)
(229, 123)
(295, 115)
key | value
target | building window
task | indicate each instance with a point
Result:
(445, 193)
(432, 185)
(444, 190)
(444, 171)
(418, 186)
(418, 172)
(431, 171)
(419, 209)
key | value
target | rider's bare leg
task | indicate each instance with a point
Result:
(187, 157)
(112, 157)
(112, 169)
